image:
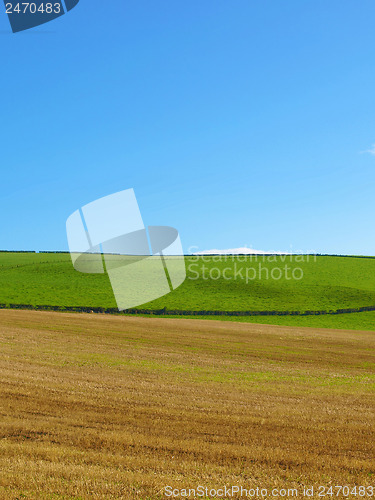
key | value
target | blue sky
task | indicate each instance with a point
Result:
(241, 122)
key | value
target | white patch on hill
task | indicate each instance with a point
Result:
(239, 251)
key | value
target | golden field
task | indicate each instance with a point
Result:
(111, 407)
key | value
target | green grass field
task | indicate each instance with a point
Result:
(213, 283)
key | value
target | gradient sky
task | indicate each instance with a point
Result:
(239, 122)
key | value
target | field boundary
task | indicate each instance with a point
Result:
(179, 312)
(65, 252)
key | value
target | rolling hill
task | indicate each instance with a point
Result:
(214, 283)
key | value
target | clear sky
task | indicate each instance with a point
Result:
(239, 122)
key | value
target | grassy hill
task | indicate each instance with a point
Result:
(213, 283)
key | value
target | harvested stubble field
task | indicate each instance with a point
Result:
(104, 407)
